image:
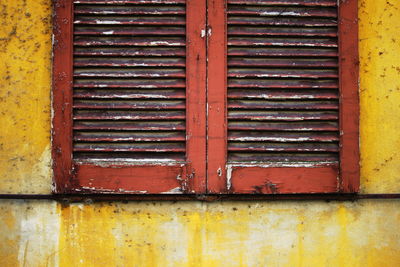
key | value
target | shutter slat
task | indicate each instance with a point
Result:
(248, 41)
(133, 104)
(127, 115)
(282, 52)
(282, 115)
(287, 83)
(130, 51)
(281, 73)
(283, 11)
(134, 20)
(282, 147)
(129, 147)
(282, 94)
(280, 126)
(129, 10)
(129, 125)
(283, 136)
(260, 104)
(129, 83)
(132, 2)
(282, 157)
(129, 62)
(130, 31)
(331, 3)
(129, 73)
(128, 41)
(281, 21)
(282, 62)
(129, 136)
(129, 94)
(282, 31)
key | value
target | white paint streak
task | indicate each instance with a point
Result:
(176, 190)
(229, 177)
(39, 234)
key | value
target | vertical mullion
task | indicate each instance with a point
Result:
(196, 95)
(349, 100)
(217, 96)
(62, 95)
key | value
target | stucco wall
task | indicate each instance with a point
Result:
(303, 233)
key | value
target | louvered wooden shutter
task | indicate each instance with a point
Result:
(129, 96)
(284, 98)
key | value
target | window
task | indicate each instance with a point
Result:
(196, 96)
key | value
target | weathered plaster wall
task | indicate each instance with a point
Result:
(304, 233)
(380, 95)
(40, 233)
(25, 82)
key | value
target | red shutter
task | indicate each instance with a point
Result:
(285, 117)
(135, 109)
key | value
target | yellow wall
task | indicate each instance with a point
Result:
(43, 233)
(304, 233)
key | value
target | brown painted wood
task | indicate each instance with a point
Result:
(217, 96)
(283, 180)
(349, 99)
(62, 96)
(122, 179)
(196, 95)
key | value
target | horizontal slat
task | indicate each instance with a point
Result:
(137, 158)
(123, 30)
(262, 104)
(282, 31)
(129, 73)
(249, 41)
(245, 136)
(130, 51)
(283, 21)
(129, 10)
(129, 41)
(126, 104)
(129, 147)
(127, 115)
(138, 2)
(281, 73)
(285, 2)
(282, 11)
(130, 83)
(129, 136)
(282, 94)
(282, 115)
(270, 83)
(282, 147)
(129, 94)
(130, 125)
(129, 62)
(281, 126)
(282, 62)
(283, 157)
(131, 20)
(282, 52)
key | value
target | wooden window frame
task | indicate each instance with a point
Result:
(206, 170)
(70, 177)
(284, 180)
